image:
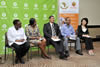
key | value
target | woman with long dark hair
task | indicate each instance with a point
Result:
(83, 33)
(34, 37)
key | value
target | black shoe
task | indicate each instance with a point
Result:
(16, 61)
(79, 52)
(22, 61)
(62, 56)
(66, 54)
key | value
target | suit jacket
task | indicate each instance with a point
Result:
(80, 32)
(48, 31)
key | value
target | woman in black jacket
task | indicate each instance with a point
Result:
(83, 33)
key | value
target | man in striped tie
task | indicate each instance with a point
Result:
(54, 37)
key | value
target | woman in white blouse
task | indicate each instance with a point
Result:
(83, 33)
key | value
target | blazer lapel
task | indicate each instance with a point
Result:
(50, 27)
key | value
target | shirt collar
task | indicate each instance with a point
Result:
(67, 25)
(15, 28)
(51, 23)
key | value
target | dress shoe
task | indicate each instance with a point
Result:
(16, 61)
(66, 54)
(79, 52)
(62, 56)
(22, 61)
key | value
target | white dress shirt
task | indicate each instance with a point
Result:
(14, 34)
(51, 24)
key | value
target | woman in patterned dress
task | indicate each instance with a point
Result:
(34, 37)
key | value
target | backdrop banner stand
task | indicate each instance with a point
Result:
(69, 8)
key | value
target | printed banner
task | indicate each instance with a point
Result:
(24, 10)
(69, 8)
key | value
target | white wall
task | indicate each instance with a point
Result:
(90, 9)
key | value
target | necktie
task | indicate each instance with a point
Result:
(53, 30)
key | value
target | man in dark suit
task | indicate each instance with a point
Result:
(52, 33)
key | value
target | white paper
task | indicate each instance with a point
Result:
(73, 37)
(55, 39)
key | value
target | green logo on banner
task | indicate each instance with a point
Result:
(24, 10)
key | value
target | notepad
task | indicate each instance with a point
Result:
(72, 37)
(57, 39)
